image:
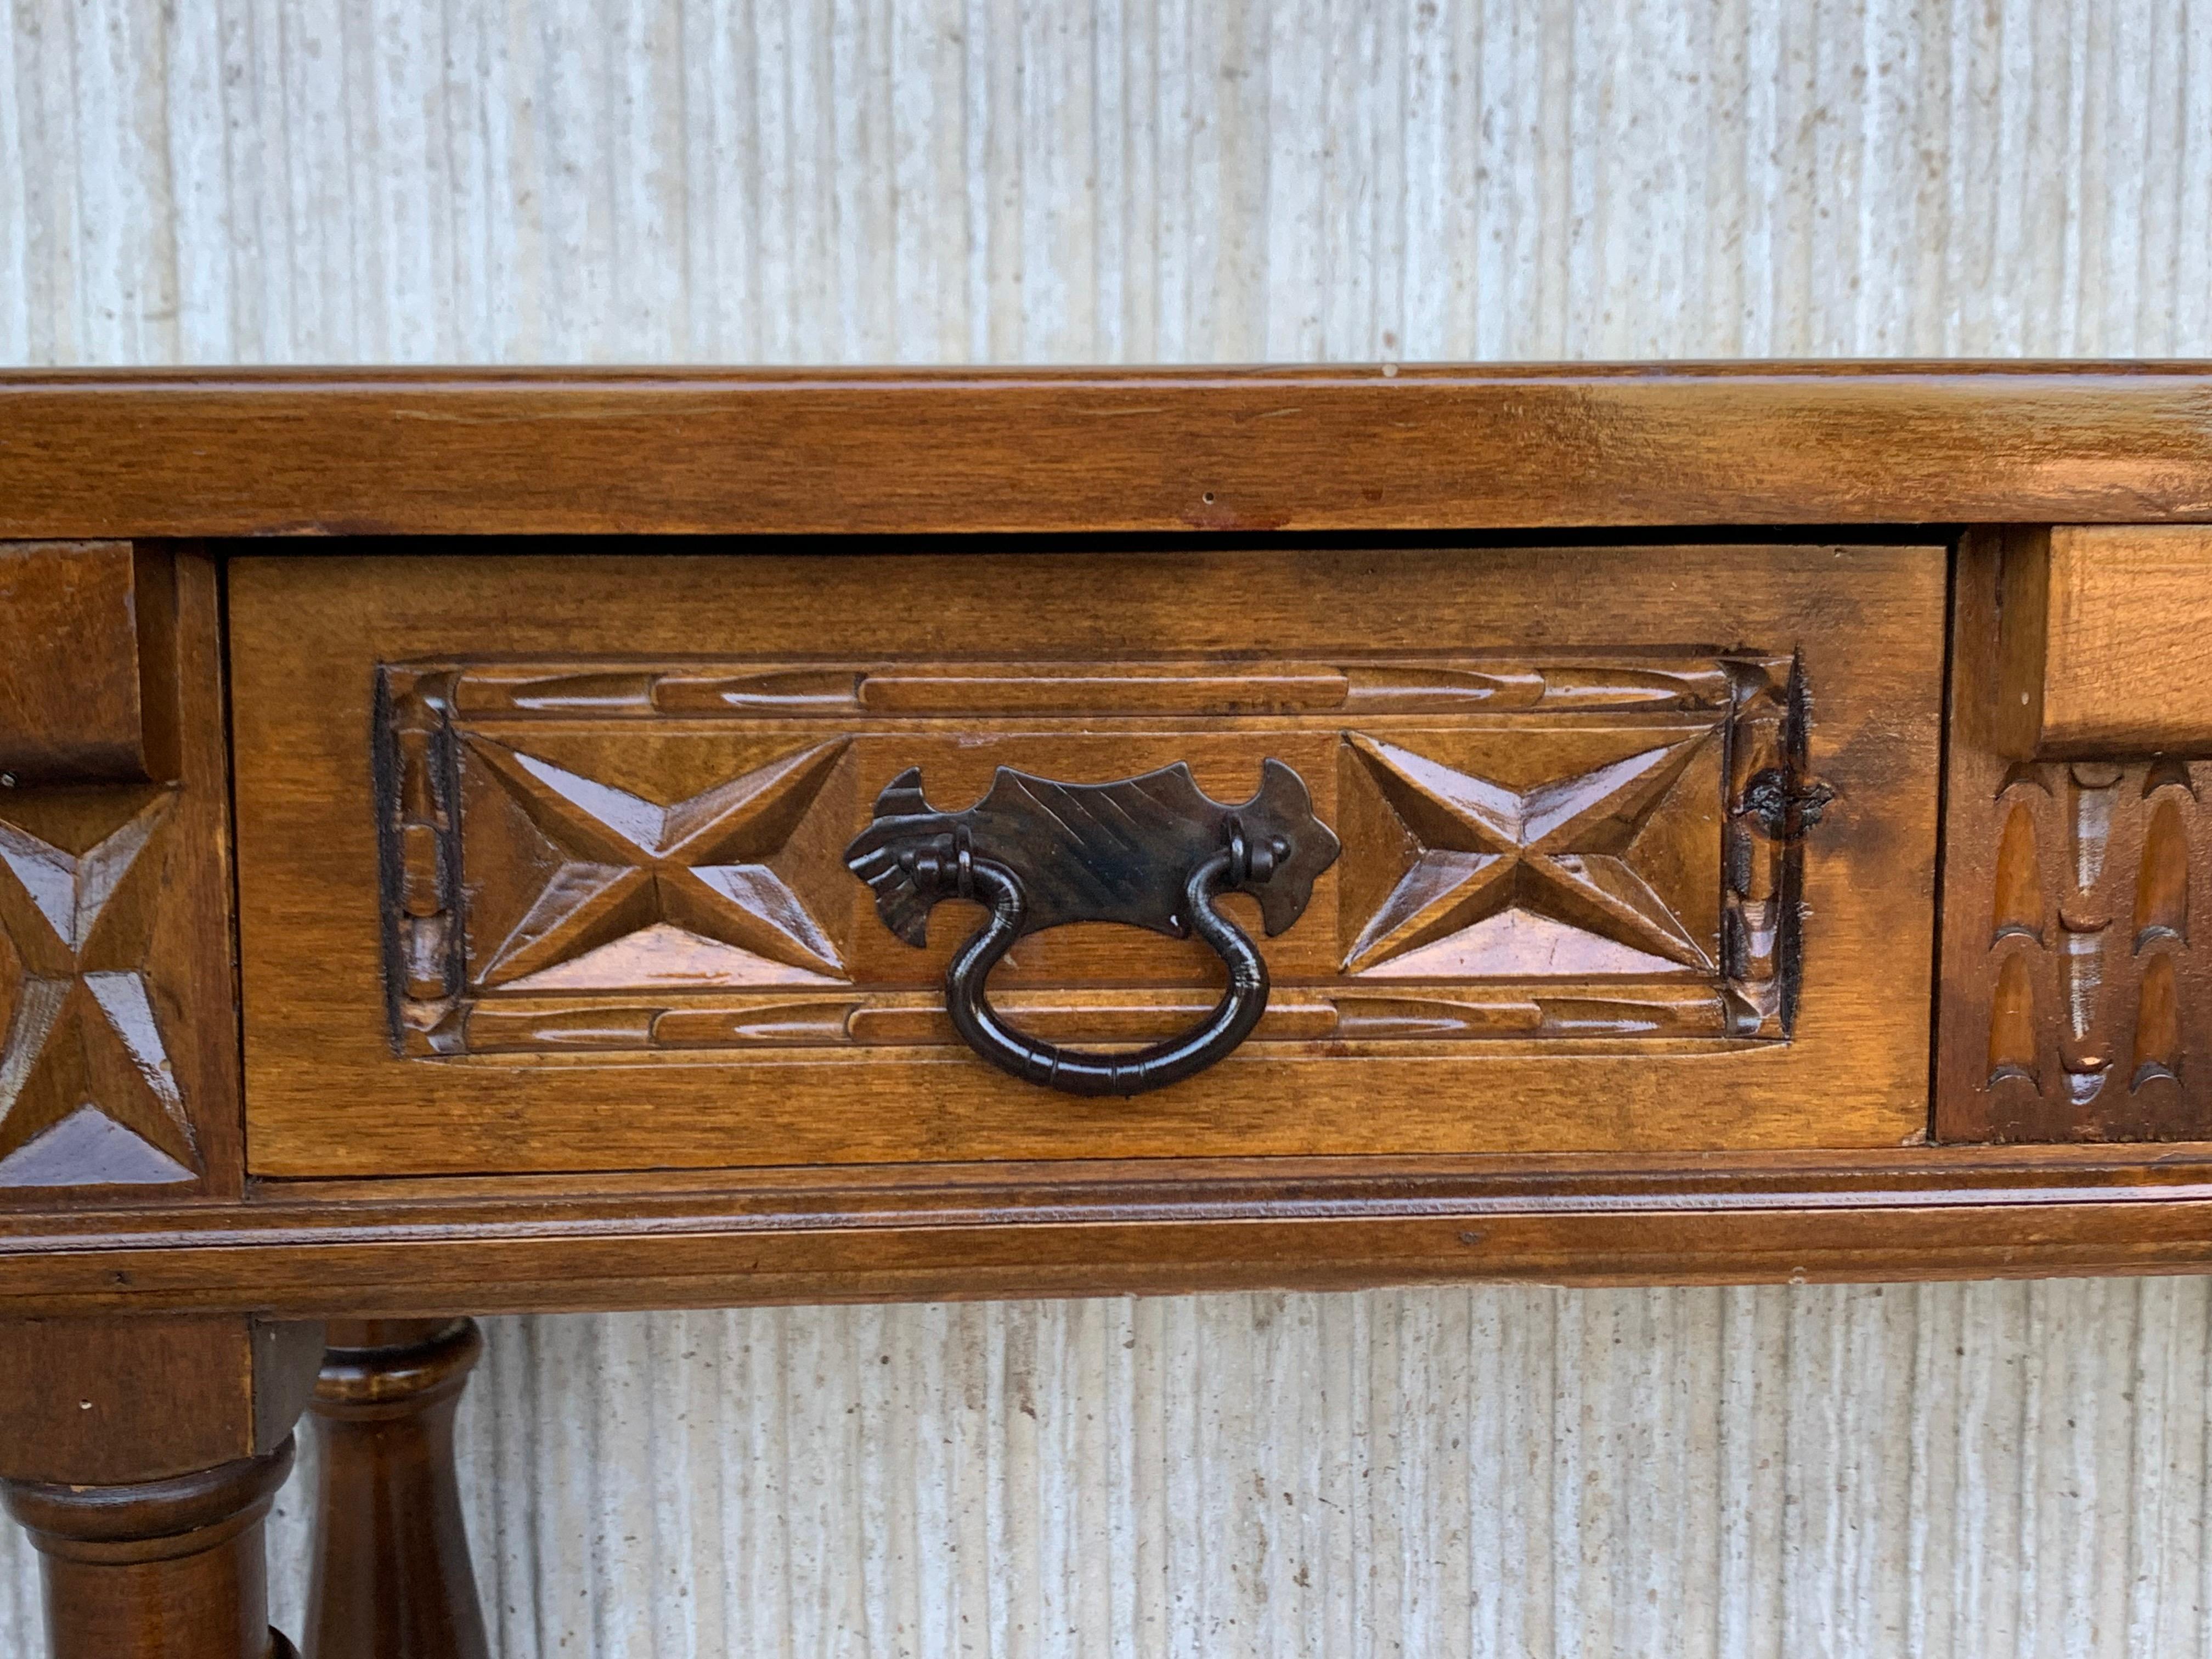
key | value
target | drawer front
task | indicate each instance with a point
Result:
(544, 858)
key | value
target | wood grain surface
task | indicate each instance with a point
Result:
(167, 1568)
(2125, 631)
(328, 1095)
(86, 686)
(674, 1239)
(391, 1577)
(95, 1402)
(236, 452)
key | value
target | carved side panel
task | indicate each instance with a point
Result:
(117, 1026)
(2074, 1004)
(611, 858)
(2092, 1007)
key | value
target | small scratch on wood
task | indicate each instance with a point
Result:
(530, 417)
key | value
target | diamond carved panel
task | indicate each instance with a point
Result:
(605, 888)
(1533, 854)
(88, 1094)
(560, 859)
(610, 857)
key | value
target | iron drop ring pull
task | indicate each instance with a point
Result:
(1154, 851)
(1073, 1070)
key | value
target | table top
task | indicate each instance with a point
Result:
(219, 453)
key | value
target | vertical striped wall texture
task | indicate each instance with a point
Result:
(1939, 1470)
(778, 180)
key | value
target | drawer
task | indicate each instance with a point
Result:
(546, 859)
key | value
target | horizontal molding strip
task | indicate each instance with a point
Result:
(398, 1249)
(233, 452)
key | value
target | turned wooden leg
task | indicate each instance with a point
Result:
(142, 1452)
(165, 1570)
(391, 1574)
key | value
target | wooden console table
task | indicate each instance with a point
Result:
(518, 842)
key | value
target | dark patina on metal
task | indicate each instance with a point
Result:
(1153, 851)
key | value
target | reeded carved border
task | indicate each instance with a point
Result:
(418, 843)
(1644, 682)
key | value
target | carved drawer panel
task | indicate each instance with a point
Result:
(544, 857)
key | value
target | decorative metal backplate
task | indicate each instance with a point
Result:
(1096, 852)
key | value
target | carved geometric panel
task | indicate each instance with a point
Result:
(2075, 1001)
(2095, 1013)
(601, 886)
(118, 1010)
(89, 1094)
(1497, 880)
(602, 857)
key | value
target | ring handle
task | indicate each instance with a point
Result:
(1153, 851)
(1076, 1071)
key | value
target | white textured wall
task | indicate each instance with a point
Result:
(1984, 1469)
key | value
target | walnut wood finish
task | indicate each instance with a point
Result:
(666, 1239)
(87, 685)
(612, 869)
(503, 809)
(2105, 644)
(164, 1569)
(118, 1060)
(806, 452)
(2076, 1004)
(915, 454)
(101, 1402)
(391, 1574)
(142, 1455)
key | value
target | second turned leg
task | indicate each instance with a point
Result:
(392, 1578)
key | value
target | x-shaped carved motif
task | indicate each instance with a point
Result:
(1554, 850)
(627, 863)
(84, 1037)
